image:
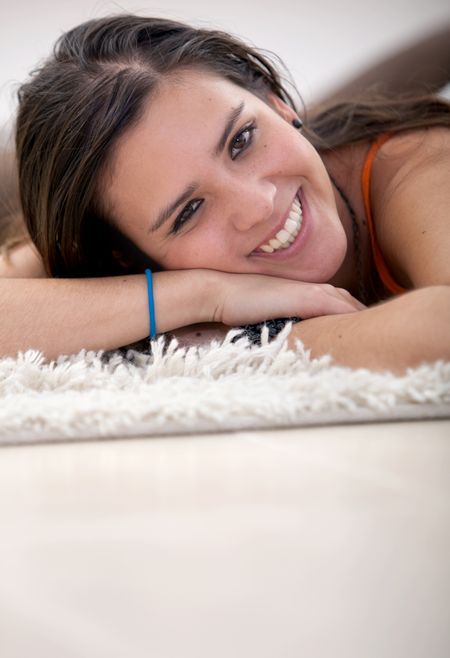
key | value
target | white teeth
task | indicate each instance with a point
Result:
(291, 225)
(288, 233)
(283, 235)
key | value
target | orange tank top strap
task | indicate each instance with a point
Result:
(382, 269)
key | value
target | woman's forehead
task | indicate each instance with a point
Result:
(182, 105)
(195, 92)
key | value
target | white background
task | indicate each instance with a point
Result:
(323, 42)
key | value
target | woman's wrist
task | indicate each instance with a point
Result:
(185, 297)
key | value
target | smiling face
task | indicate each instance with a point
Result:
(212, 175)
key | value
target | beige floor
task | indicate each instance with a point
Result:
(320, 542)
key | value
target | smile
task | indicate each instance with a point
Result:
(286, 236)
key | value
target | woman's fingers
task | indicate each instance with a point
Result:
(324, 299)
(344, 291)
(359, 306)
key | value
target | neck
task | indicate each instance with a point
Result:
(351, 271)
(341, 166)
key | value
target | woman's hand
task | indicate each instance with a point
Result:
(250, 298)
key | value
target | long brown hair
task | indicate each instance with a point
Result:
(94, 87)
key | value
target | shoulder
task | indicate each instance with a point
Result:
(410, 196)
(21, 261)
(413, 148)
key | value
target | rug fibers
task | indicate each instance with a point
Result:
(223, 386)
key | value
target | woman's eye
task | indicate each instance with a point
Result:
(242, 140)
(186, 214)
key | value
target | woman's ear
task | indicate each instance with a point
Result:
(120, 259)
(281, 108)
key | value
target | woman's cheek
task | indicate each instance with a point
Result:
(185, 254)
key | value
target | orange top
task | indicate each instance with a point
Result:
(382, 269)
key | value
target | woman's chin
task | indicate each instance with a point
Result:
(337, 269)
(328, 264)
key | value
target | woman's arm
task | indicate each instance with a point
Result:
(420, 67)
(401, 333)
(61, 316)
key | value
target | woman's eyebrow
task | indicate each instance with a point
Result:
(184, 196)
(166, 213)
(232, 118)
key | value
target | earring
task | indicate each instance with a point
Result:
(297, 123)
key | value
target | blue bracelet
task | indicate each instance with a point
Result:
(151, 303)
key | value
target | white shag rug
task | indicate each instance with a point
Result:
(219, 387)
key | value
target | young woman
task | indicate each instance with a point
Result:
(147, 143)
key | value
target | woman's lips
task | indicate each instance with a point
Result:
(280, 227)
(300, 239)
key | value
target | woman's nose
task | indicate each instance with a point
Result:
(251, 204)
